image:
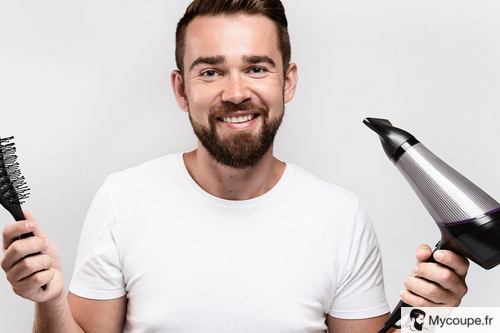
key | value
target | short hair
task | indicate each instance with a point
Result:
(415, 313)
(272, 9)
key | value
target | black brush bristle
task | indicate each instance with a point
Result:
(13, 187)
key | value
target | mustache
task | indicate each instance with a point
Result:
(218, 111)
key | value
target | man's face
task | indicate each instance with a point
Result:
(234, 86)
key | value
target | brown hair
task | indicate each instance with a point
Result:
(273, 9)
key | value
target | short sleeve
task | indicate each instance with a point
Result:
(360, 289)
(97, 273)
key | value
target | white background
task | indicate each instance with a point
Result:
(84, 87)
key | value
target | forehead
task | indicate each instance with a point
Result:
(232, 36)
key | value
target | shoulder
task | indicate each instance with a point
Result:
(148, 174)
(315, 189)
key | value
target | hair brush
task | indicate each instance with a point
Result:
(13, 189)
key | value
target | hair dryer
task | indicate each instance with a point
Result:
(468, 218)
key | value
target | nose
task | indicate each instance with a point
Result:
(236, 89)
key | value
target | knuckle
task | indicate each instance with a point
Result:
(31, 263)
(420, 302)
(25, 264)
(407, 283)
(3, 264)
(447, 275)
(15, 248)
(404, 296)
(40, 243)
(21, 226)
(38, 278)
(464, 290)
(47, 261)
(434, 291)
(17, 289)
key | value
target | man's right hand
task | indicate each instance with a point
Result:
(31, 263)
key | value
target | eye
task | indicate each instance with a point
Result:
(257, 71)
(210, 74)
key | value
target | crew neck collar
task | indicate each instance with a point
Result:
(275, 190)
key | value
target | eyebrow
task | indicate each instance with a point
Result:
(256, 59)
(217, 60)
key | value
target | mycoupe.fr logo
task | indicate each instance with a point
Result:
(417, 319)
(450, 319)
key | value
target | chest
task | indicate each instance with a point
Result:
(228, 276)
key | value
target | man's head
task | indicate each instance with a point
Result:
(417, 317)
(234, 76)
(272, 9)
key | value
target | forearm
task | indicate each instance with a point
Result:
(54, 317)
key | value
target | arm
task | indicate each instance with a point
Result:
(95, 316)
(79, 315)
(33, 268)
(55, 316)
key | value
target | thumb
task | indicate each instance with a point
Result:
(28, 215)
(35, 226)
(423, 252)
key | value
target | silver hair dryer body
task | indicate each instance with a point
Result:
(468, 218)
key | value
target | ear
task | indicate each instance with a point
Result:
(291, 79)
(179, 89)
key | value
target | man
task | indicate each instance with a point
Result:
(417, 318)
(224, 238)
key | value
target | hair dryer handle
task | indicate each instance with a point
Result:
(396, 313)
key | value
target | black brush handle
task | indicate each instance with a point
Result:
(18, 215)
(395, 315)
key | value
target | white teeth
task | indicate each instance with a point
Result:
(240, 119)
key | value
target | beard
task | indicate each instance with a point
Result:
(237, 150)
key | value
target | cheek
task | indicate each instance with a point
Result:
(200, 100)
(270, 94)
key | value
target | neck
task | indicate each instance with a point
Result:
(230, 183)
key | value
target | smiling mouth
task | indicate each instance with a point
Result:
(239, 119)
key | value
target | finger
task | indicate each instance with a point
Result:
(28, 215)
(457, 263)
(37, 230)
(442, 275)
(415, 300)
(22, 248)
(28, 266)
(11, 232)
(423, 253)
(430, 291)
(30, 286)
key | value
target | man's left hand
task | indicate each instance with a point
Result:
(436, 284)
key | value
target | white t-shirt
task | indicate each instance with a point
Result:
(192, 262)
